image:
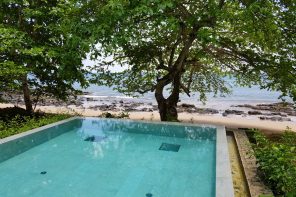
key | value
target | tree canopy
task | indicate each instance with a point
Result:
(40, 49)
(184, 45)
(191, 45)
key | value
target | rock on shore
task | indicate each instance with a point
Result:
(276, 111)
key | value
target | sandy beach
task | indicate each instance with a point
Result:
(231, 121)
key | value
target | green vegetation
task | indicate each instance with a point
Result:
(121, 115)
(183, 45)
(15, 121)
(277, 162)
(190, 46)
(40, 54)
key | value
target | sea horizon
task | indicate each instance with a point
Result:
(239, 95)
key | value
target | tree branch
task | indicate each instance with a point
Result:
(221, 4)
(147, 90)
(115, 59)
(182, 29)
(161, 65)
(186, 90)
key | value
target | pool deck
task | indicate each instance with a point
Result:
(224, 186)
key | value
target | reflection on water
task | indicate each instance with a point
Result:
(105, 134)
(104, 127)
(123, 160)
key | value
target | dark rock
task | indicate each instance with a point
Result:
(281, 107)
(236, 112)
(185, 105)
(207, 111)
(145, 109)
(105, 107)
(291, 113)
(254, 112)
(276, 113)
(275, 118)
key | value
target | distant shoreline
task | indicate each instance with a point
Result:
(249, 110)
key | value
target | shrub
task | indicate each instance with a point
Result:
(277, 162)
(122, 115)
(20, 123)
(289, 138)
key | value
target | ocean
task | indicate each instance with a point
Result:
(239, 95)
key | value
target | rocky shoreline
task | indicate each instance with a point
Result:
(275, 111)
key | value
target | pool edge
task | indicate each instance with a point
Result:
(224, 186)
(29, 132)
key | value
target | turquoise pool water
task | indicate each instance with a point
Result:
(111, 158)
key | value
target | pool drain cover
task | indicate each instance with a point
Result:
(170, 147)
(149, 195)
(95, 138)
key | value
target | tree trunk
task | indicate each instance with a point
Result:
(167, 111)
(27, 97)
(168, 107)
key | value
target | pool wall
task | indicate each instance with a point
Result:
(17, 144)
(224, 186)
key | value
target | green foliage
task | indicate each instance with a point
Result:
(20, 124)
(39, 40)
(289, 138)
(254, 41)
(121, 115)
(277, 162)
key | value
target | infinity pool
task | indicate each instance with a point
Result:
(111, 158)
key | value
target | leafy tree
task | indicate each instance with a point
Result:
(40, 51)
(191, 45)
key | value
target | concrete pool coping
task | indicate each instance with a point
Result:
(224, 186)
(26, 133)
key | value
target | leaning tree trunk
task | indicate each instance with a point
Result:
(26, 93)
(167, 110)
(168, 106)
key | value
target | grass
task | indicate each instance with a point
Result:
(16, 120)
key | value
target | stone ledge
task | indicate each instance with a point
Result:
(248, 160)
